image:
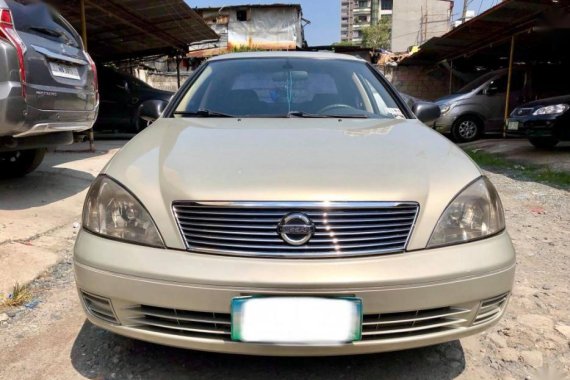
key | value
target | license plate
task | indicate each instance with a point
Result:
(513, 125)
(64, 71)
(296, 320)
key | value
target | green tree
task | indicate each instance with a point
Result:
(378, 36)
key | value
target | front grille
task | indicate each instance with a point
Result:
(491, 308)
(217, 326)
(413, 323)
(180, 322)
(251, 229)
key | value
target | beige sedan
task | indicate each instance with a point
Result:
(292, 204)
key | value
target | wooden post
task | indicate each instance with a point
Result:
(178, 70)
(508, 93)
(450, 77)
(84, 38)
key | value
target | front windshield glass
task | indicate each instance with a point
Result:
(475, 84)
(288, 87)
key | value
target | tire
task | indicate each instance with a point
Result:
(466, 129)
(543, 142)
(19, 163)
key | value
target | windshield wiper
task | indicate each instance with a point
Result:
(313, 115)
(51, 32)
(202, 113)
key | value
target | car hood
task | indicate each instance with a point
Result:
(216, 159)
(547, 101)
(450, 98)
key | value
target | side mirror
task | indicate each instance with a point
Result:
(426, 112)
(151, 110)
(491, 90)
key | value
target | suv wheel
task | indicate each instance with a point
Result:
(543, 142)
(21, 162)
(467, 128)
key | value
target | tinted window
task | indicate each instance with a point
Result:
(41, 20)
(276, 87)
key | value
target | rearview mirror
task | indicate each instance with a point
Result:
(151, 110)
(426, 112)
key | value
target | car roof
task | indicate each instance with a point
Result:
(287, 54)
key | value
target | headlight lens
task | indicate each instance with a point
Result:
(551, 110)
(112, 211)
(475, 213)
(444, 108)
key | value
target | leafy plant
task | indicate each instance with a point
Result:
(378, 36)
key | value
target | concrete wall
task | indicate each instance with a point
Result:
(409, 26)
(162, 81)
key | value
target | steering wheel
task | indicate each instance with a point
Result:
(333, 106)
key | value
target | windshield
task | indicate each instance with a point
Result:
(41, 20)
(288, 87)
(475, 84)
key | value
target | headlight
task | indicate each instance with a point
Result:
(112, 211)
(551, 110)
(444, 108)
(475, 213)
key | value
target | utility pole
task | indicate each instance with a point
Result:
(464, 13)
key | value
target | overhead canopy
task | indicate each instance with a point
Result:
(541, 28)
(120, 29)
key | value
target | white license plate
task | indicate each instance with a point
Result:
(64, 71)
(296, 320)
(513, 125)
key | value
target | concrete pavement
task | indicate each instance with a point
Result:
(41, 210)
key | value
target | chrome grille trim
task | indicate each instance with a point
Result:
(250, 228)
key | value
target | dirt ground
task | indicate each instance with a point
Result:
(50, 338)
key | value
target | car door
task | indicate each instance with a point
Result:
(494, 99)
(114, 111)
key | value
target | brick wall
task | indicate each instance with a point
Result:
(428, 83)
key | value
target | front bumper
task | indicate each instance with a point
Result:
(536, 126)
(445, 122)
(183, 299)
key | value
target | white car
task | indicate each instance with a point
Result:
(292, 204)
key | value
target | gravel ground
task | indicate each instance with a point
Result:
(51, 339)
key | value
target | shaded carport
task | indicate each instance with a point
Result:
(115, 30)
(515, 32)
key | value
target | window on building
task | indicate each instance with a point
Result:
(363, 4)
(241, 15)
(387, 5)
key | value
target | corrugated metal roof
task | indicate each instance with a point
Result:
(276, 5)
(492, 27)
(118, 29)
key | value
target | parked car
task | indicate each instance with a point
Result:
(545, 122)
(121, 98)
(48, 85)
(479, 107)
(290, 203)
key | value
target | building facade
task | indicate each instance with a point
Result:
(263, 27)
(413, 21)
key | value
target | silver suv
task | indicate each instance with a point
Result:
(48, 85)
(479, 107)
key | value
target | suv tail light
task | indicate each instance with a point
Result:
(8, 32)
(95, 78)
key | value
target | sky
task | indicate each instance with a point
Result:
(325, 14)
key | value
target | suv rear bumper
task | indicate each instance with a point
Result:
(17, 119)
